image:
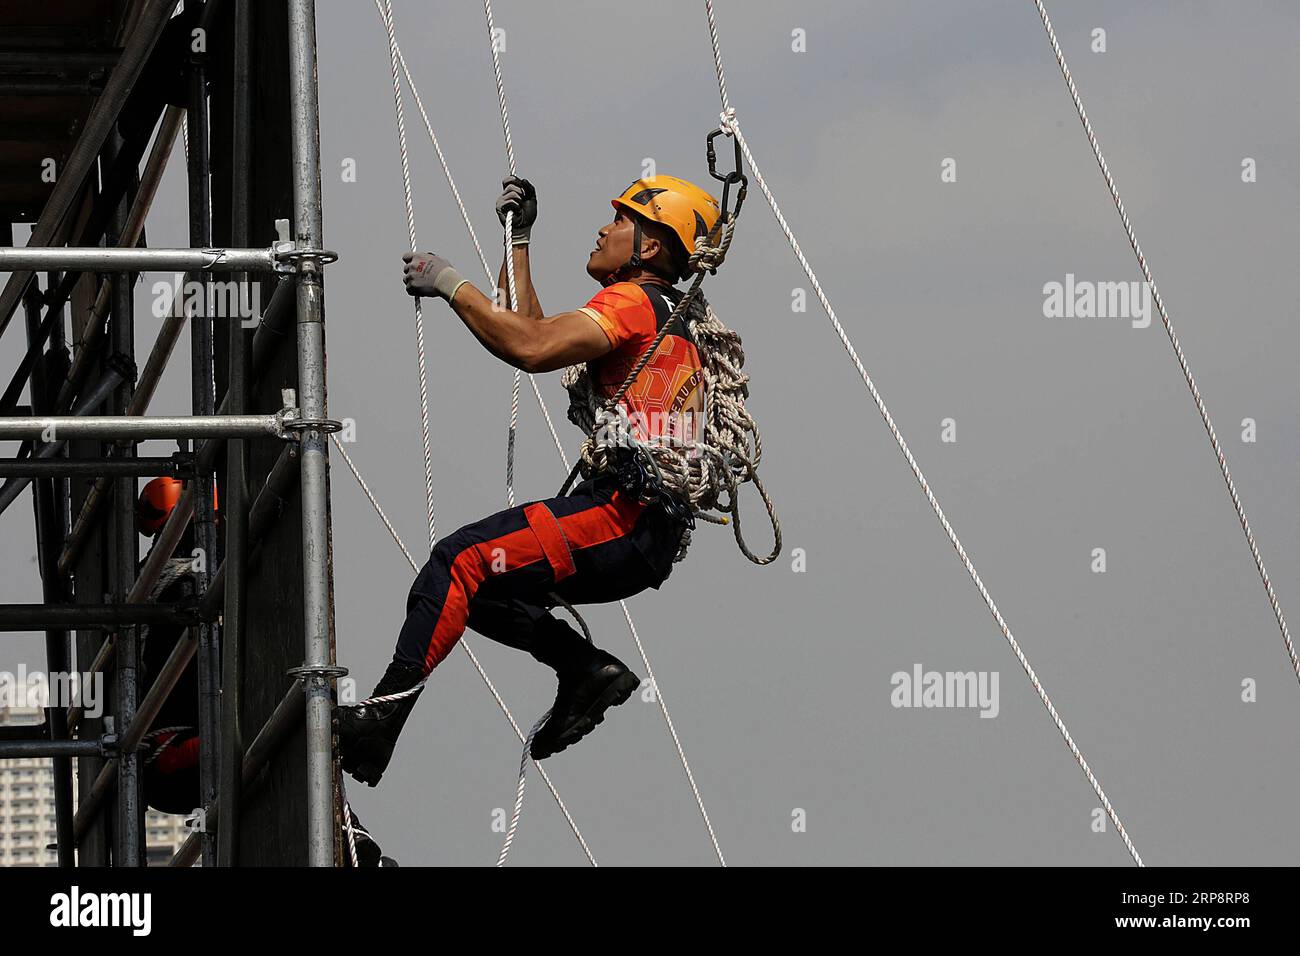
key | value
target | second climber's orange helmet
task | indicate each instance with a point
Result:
(157, 501)
(682, 206)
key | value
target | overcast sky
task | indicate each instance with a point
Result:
(1072, 434)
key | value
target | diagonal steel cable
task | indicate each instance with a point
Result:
(1173, 340)
(730, 123)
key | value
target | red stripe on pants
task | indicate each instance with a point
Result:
(545, 538)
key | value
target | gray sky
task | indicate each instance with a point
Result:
(1072, 434)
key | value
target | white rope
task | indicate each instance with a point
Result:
(496, 695)
(663, 707)
(386, 14)
(1173, 339)
(349, 828)
(509, 248)
(464, 214)
(559, 448)
(519, 792)
(509, 254)
(729, 121)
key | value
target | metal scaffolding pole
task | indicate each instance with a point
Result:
(111, 381)
(272, 329)
(97, 259)
(176, 466)
(129, 831)
(61, 750)
(49, 527)
(266, 507)
(132, 428)
(318, 669)
(43, 617)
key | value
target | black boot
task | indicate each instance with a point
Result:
(591, 681)
(368, 732)
(368, 851)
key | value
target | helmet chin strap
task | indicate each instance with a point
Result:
(633, 263)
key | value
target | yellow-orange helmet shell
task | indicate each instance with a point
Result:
(681, 206)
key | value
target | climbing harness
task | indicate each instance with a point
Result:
(685, 477)
(156, 742)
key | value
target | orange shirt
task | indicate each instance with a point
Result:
(667, 398)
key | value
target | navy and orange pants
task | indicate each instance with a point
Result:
(497, 576)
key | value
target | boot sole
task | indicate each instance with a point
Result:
(618, 692)
(366, 773)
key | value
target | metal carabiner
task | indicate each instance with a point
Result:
(735, 176)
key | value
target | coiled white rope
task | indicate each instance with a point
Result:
(696, 469)
(496, 695)
(729, 122)
(1173, 339)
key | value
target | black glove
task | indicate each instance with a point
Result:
(519, 197)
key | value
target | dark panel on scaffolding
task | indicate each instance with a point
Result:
(273, 824)
(54, 56)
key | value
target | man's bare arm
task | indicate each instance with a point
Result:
(528, 343)
(528, 304)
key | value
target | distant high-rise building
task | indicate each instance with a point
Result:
(27, 826)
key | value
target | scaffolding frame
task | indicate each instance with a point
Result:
(59, 436)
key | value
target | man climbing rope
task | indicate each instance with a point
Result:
(616, 533)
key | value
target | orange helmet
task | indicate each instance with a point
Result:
(683, 207)
(157, 501)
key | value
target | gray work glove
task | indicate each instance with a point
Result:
(518, 197)
(427, 275)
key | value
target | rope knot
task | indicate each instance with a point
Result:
(727, 121)
(707, 258)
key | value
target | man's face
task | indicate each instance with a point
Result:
(614, 246)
